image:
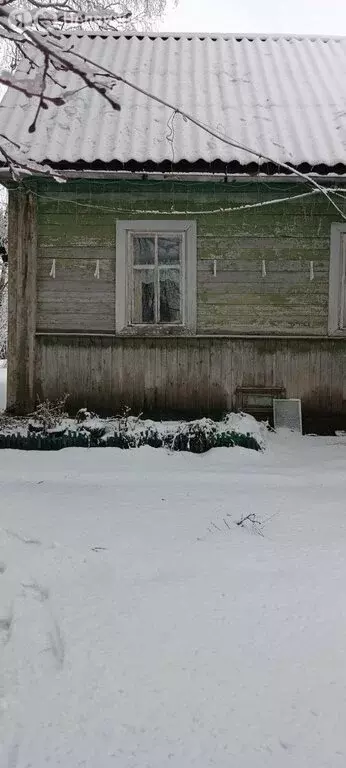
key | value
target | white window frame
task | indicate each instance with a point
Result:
(337, 286)
(188, 267)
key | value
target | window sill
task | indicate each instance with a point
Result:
(157, 330)
(339, 334)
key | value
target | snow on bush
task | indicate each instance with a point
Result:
(49, 428)
(246, 424)
(47, 416)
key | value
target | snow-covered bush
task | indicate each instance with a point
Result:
(49, 416)
(89, 422)
(83, 415)
(49, 428)
(202, 435)
(141, 434)
(195, 436)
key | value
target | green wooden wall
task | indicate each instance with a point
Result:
(77, 224)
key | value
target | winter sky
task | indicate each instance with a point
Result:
(327, 17)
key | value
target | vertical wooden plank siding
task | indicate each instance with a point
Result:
(22, 236)
(189, 376)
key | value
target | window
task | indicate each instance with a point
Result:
(337, 280)
(155, 276)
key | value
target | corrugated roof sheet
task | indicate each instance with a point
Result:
(283, 96)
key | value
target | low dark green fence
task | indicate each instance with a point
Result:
(194, 442)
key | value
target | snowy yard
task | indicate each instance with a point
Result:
(140, 626)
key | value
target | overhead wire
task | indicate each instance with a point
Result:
(172, 211)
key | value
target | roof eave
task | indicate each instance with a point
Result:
(330, 177)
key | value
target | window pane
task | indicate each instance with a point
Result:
(170, 311)
(143, 250)
(169, 249)
(143, 296)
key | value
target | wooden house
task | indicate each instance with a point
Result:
(171, 270)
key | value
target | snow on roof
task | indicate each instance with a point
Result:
(284, 96)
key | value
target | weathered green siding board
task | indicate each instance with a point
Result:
(237, 300)
(75, 299)
(188, 374)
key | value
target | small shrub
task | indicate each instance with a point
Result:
(48, 416)
(96, 431)
(152, 437)
(84, 415)
(90, 423)
(230, 439)
(124, 419)
(195, 436)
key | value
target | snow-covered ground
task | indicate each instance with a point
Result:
(142, 627)
(3, 373)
